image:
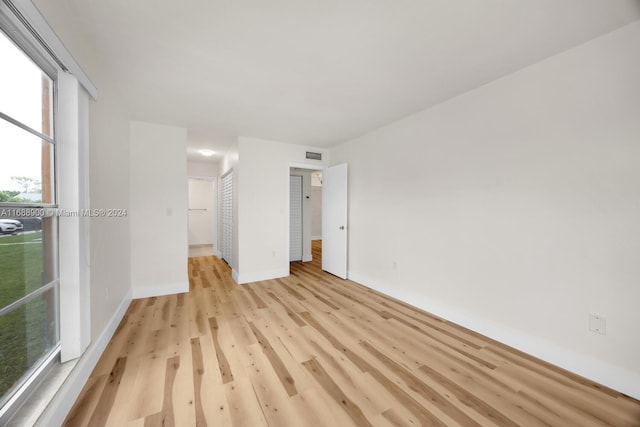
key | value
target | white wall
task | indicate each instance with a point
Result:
(263, 206)
(513, 209)
(202, 214)
(203, 168)
(316, 213)
(109, 174)
(109, 189)
(158, 191)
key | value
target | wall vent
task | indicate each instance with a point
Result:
(314, 156)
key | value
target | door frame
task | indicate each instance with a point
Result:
(214, 181)
(305, 166)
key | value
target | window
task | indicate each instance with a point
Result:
(29, 325)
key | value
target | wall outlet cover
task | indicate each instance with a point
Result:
(597, 324)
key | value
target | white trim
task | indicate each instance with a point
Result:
(61, 404)
(33, 16)
(217, 253)
(234, 275)
(160, 290)
(309, 166)
(307, 258)
(262, 275)
(615, 377)
(75, 317)
(316, 237)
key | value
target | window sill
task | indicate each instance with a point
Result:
(37, 402)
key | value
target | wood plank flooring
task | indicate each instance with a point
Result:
(314, 350)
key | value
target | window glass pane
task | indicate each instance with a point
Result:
(28, 233)
(27, 334)
(27, 255)
(27, 92)
(26, 166)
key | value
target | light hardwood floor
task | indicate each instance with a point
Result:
(314, 350)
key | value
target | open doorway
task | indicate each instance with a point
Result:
(305, 213)
(202, 216)
(333, 247)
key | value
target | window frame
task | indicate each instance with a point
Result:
(33, 375)
(29, 30)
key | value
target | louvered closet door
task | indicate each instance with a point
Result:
(227, 217)
(295, 218)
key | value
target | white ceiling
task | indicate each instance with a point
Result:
(320, 72)
(199, 139)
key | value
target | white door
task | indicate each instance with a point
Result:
(295, 218)
(334, 220)
(201, 212)
(226, 208)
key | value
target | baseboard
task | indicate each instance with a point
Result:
(234, 275)
(217, 253)
(620, 379)
(316, 237)
(262, 275)
(159, 290)
(307, 258)
(61, 404)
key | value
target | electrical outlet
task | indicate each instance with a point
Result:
(597, 324)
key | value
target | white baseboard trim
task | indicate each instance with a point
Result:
(217, 253)
(307, 258)
(234, 275)
(316, 237)
(61, 404)
(615, 377)
(262, 275)
(159, 290)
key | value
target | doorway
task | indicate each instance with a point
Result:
(305, 212)
(202, 216)
(334, 214)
